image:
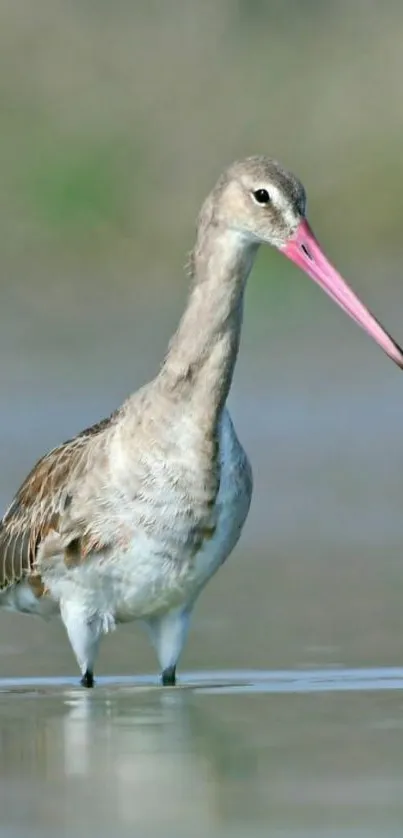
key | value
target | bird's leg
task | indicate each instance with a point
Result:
(88, 679)
(84, 635)
(168, 634)
(168, 676)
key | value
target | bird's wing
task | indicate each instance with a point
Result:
(40, 505)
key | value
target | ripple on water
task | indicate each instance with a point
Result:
(233, 681)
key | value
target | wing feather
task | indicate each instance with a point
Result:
(40, 502)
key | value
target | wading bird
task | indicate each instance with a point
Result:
(131, 518)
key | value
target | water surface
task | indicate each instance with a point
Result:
(225, 754)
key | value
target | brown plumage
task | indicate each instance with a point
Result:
(36, 508)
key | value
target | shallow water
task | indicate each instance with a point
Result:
(226, 753)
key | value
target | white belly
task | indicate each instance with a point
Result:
(138, 582)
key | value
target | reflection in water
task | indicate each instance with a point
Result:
(140, 760)
(127, 757)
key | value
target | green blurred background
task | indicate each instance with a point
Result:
(116, 119)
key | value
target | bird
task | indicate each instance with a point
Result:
(132, 517)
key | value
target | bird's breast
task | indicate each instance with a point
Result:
(168, 542)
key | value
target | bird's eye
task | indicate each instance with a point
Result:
(262, 196)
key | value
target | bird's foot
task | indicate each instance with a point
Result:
(88, 679)
(168, 677)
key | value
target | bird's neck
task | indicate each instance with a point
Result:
(201, 357)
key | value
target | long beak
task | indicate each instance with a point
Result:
(305, 251)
